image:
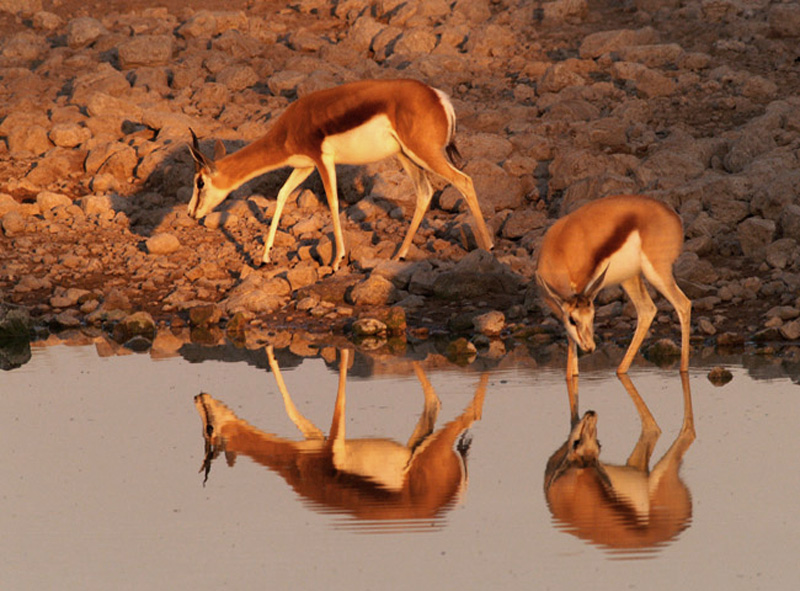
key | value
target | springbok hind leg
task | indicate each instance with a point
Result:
(683, 307)
(434, 161)
(645, 312)
(424, 194)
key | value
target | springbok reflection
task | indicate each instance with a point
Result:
(625, 507)
(369, 479)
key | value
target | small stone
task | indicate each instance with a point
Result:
(369, 327)
(730, 340)
(204, 315)
(83, 31)
(375, 291)
(719, 376)
(137, 324)
(13, 223)
(146, 50)
(663, 352)
(47, 200)
(791, 330)
(490, 323)
(707, 326)
(163, 243)
(461, 351)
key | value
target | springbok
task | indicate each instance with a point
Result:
(356, 123)
(370, 479)
(612, 241)
(620, 507)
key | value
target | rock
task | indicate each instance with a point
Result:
(202, 24)
(47, 200)
(22, 7)
(25, 46)
(784, 19)
(96, 204)
(791, 330)
(47, 20)
(597, 44)
(374, 291)
(719, 376)
(204, 315)
(146, 50)
(7, 203)
(138, 324)
(162, 243)
(416, 40)
(754, 235)
(649, 83)
(114, 158)
(522, 221)
(572, 11)
(479, 273)
(69, 135)
(15, 324)
(368, 327)
(490, 323)
(663, 352)
(782, 253)
(13, 223)
(302, 276)
(461, 352)
(83, 31)
(69, 297)
(237, 77)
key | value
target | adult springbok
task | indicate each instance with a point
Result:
(612, 241)
(357, 123)
(370, 479)
(620, 507)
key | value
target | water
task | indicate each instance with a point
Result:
(103, 480)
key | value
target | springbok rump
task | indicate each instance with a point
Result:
(356, 123)
(373, 479)
(626, 507)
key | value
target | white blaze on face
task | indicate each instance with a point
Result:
(579, 322)
(205, 196)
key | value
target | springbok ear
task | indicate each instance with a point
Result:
(595, 285)
(200, 160)
(219, 150)
(549, 293)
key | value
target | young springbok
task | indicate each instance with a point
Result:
(610, 241)
(355, 123)
(370, 478)
(620, 507)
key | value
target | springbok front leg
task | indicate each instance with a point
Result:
(295, 179)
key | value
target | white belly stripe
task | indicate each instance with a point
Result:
(625, 262)
(373, 141)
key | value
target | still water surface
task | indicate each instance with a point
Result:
(117, 475)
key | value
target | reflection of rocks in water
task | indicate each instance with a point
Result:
(15, 338)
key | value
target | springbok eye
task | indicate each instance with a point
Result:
(200, 183)
(571, 320)
(576, 444)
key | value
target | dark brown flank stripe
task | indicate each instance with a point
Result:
(615, 240)
(351, 119)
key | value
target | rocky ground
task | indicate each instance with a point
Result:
(692, 101)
